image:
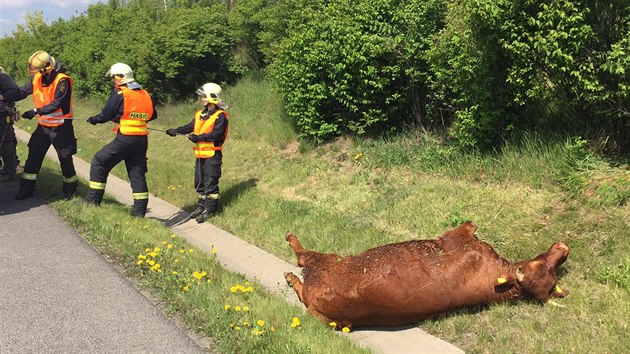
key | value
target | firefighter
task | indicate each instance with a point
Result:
(131, 107)
(209, 130)
(51, 88)
(9, 93)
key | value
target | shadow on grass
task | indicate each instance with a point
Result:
(230, 195)
(227, 198)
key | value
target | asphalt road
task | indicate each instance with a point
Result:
(58, 295)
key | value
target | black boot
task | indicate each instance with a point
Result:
(94, 196)
(27, 188)
(70, 189)
(139, 208)
(196, 212)
(201, 218)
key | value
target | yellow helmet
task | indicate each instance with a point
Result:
(41, 62)
(121, 73)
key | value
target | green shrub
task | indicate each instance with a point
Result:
(358, 69)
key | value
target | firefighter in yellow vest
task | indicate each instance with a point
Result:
(209, 130)
(52, 97)
(130, 107)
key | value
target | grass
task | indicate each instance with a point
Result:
(239, 315)
(353, 194)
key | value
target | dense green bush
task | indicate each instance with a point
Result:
(479, 71)
(507, 65)
(356, 66)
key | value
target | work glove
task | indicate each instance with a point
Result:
(30, 114)
(171, 132)
(194, 138)
(92, 120)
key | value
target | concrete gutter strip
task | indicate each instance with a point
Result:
(241, 257)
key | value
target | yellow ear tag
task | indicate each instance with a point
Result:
(501, 280)
(558, 290)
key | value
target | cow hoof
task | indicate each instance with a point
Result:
(290, 278)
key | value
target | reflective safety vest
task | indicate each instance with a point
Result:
(206, 149)
(137, 110)
(43, 95)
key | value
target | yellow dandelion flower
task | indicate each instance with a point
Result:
(141, 256)
(227, 307)
(237, 328)
(190, 250)
(296, 321)
(159, 270)
(147, 250)
(153, 254)
(173, 236)
(273, 329)
(164, 243)
(169, 246)
(245, 308)
(174, 273)
(203, 273)
(156, 249)
(246, 324)
(140, 262)
(237, 308)
(151, 262)
(214, 250)
(176, 260)
(257, 332)
(293, 325)
(233, 289)
(197, 275)
(248, 290)
(358, 156)
(231, 325)
(209, 281)
(260, 323)
(345, 330)
(186, 288)
(181, 251)
(333, 324)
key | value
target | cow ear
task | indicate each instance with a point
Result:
(504, 281)
(557, 292)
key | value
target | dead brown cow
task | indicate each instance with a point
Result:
(406, 282)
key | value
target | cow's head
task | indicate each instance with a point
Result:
(537, 277)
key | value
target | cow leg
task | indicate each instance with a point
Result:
(297, 248)
(294, 282)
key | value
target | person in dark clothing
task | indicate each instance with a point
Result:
(9, 94)
(51, 88)
(131, 107)
(209, 130)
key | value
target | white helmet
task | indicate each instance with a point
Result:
(121, 73)
(211, 92)
(41, 62)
